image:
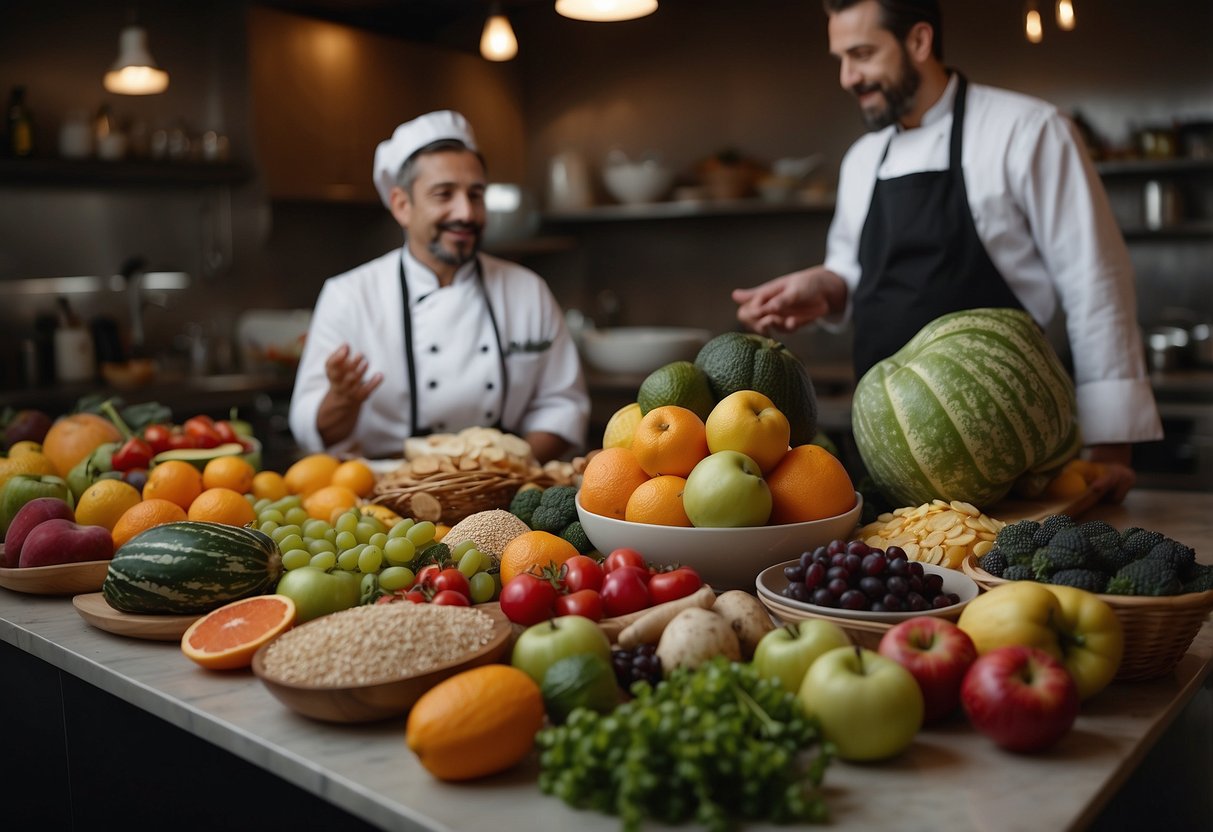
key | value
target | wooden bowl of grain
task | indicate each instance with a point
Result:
(373, 662)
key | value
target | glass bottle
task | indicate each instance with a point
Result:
(20, 124)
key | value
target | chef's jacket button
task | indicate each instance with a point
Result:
(440, 425)
(488, 414)
(484, 347)
(433, 384)
(433, 348)
(488, 386)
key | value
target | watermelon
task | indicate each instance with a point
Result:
(974, 401)
(190, 567)
(742, 361)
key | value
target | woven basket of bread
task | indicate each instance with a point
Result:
(1158, 630)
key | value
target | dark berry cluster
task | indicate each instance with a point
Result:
(637, 664)
(855, 576)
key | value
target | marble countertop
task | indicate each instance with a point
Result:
(950, 778)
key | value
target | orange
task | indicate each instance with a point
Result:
(311, 473)
(269, 485)
(222, 505)
(608, 480)
(809, 483)
(104, 502)
(227, 638)
(232, 472)
(748, 422)
(324, 502)
(531, 552)
(1069, 483)
(175, 481)
(74, 437)
(456, 737)
(658, 502)
(143, 516)
(355, 475)
(669, 440)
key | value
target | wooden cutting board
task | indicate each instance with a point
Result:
(94, 609)
(1010, 510)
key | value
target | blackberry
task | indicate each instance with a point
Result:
(639, 664)
(1018, 572)
(994, 562)
(1050, 526)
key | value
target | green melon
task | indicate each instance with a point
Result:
(974, 401)
(742, 361)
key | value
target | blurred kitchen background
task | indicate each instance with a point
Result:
(195, 227)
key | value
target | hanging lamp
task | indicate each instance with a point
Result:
(497, 42)
(602, 11)
(1033, 26)
(1065, 15)
(135, 72)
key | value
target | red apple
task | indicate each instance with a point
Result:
(937, 653)
(27, 518)
(62, 541)
(1020, 697)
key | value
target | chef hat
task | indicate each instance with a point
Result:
(410, 137)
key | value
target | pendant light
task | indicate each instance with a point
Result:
(135, 72)
(1033, 26)
(497, 42)
(1065, 15)
(602, 11)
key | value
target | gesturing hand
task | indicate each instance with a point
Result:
(790, 301)
(346, 373)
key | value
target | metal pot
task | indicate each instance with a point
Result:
(1167, 347)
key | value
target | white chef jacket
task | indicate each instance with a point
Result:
(1044, 219)
(455, 352)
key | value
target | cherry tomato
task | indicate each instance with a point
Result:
(528, 599)
(416, 596)
(158, 437)
(678, 583)
(581, 572)
(425, 578)
(202, 429)
(225, 431)
(134, 453)
(178, 440)
(452, 580)
(623, 557)
(625, 590)
(450, 598)
(585, 602)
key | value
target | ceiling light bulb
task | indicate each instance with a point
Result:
(601, 11)
(497, 42)
(1065, 15)
(135, 72)
(1033, 27)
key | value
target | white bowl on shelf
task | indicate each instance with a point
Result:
(641, 349)
(635, 183)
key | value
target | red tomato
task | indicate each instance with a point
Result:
(157, 436)
(425, 578)
(678, 583)
(625, 590)
(584, 602)
(202, 429)
(416, 596)
(450, 598)
(581, 572)
(528, 599)
(226, 432)
(623, 557)
(451, 580)
(178, 440)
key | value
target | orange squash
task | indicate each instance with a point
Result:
(74, 437)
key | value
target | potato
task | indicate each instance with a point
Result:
(694, 636)
(747, 616)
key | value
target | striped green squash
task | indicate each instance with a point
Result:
(190, 567)
(974, 401)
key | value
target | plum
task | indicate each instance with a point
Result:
(27, 424)
(27, 518)
(62, 541)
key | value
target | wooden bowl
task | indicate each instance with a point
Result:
(60, 579)
(388, 698)
(95, 610)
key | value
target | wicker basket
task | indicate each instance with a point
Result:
(862, 633)
(449, 496)
(1158, 630)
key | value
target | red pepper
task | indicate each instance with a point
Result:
(202, 430)
(158, 437)
(134, 453)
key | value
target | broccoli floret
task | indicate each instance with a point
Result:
(1019, 572)
(1138, 542)
(1087, 579)
(1050, 526)
(1148, 576)
(525, 502)
(556, 509)
(1199, 578)
(1015, 541)
(1067, 550)
(575, 534)
(1108, 552)
(994, 562)
(1179, 557)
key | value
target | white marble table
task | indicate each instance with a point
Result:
(950, 779)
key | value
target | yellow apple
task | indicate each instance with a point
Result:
(748, 422)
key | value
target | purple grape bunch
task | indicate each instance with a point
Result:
(852, 575)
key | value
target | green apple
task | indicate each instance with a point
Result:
(316, 592)
(21, 488)
(542, 645)
(726, 490)
(870, 707)
(89, 469)
(787, 652)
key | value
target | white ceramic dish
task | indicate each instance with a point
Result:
(635, 183)
(641, 349)
(771, 582)
(724, 558)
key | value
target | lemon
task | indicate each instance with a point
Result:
(680, 383)
(622, 426)
(25, 446)
(103, 502)
(29, 462)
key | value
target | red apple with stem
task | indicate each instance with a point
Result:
(937, 653)
(1020, 697)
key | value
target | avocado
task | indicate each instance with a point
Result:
(199, 457)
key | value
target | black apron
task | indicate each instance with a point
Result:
(411, 365)
(920, 256)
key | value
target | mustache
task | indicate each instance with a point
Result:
(861, 89)
(460, 226)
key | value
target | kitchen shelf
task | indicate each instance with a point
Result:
(87, 172)
(684, 209)
(1185, 230)
(1153, 167)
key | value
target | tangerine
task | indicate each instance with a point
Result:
(658, 502)
(324, 503)
(609, 480)
(175, 481)
(269, 485)
(355, 475)
(531, 552)
(227, 638)
(311, 473)
(74, 437)
(232, 472)
(669, 440)
(104, 502)
(222, 505)
(809, 483)
(143, 516)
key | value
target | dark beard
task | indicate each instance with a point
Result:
(461, 255)
(899, 98)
